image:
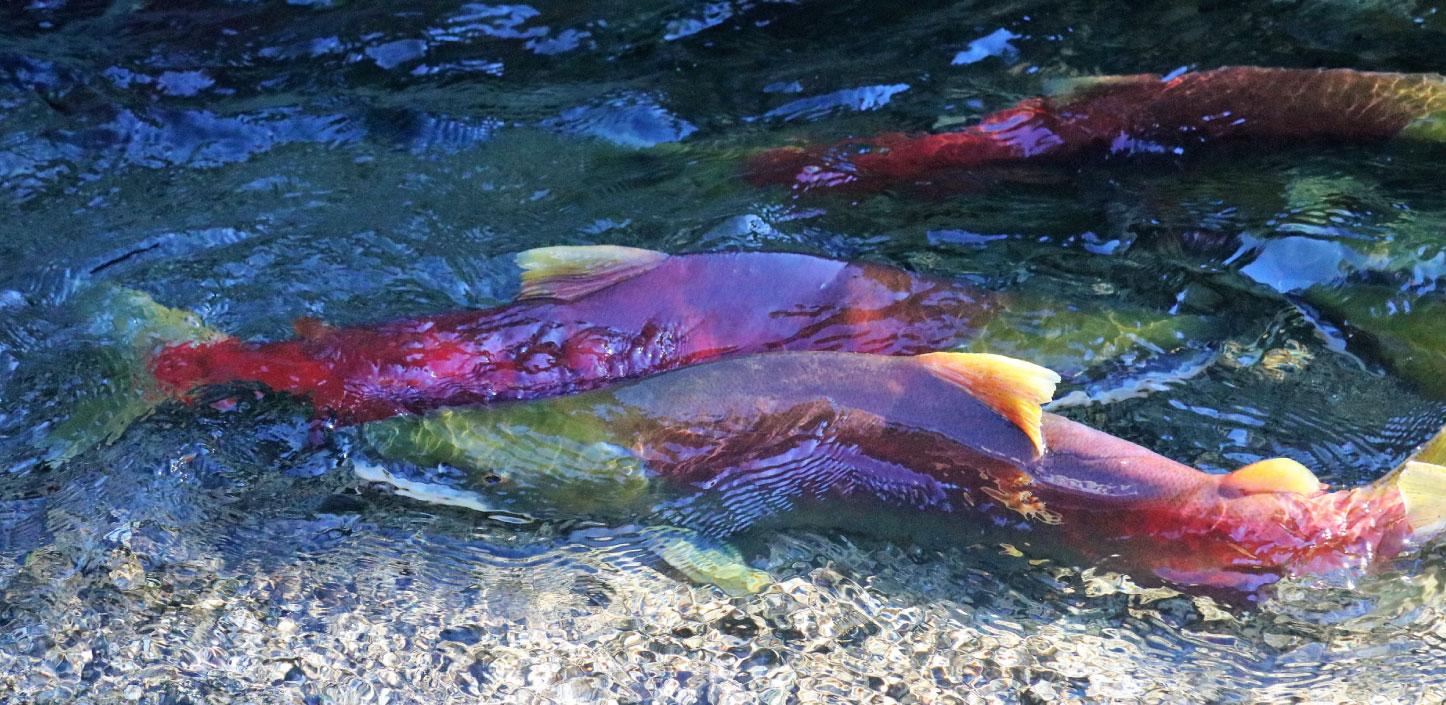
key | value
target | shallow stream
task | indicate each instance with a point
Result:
(360, 161)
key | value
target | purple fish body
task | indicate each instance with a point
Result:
(942, 447)
(635, 313)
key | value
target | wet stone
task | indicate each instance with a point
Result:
(461, 635)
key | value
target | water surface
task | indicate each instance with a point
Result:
(356, 161)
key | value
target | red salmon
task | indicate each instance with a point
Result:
(587, 316)
(1127, 114)
(941, 447)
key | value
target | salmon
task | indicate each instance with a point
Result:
(940, 448)
(584, 317)
(1144, 113)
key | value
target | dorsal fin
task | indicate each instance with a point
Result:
(1079, 87)
(1273, 475)
(568, 272)
(1014, 388)
(310, 328)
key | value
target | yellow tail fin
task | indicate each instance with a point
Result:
(128, 326)
(1432, 451)
(1423, 491)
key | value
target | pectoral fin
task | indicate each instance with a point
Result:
(571, 272)
(705, 560)
(431, 493)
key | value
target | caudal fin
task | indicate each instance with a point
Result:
(1421, 480)
(128, 327)
(1423, 491)
(1432, 451)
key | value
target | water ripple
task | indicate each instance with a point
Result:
(363, 161)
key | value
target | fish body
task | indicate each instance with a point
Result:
(587, 316)
(1402, 328)
(1135, 114)
(946, 447)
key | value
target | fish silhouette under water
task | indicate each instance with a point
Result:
(1141, 113)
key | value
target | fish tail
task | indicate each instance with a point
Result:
(1421, 482)
(129, 328)
(1432, 451)
(1422, 487)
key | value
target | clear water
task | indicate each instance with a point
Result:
(356, 161)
